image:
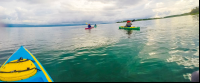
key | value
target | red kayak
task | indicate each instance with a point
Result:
(89, 28)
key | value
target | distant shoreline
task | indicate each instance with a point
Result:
(52, 25)
(162, 17)
(194, 11)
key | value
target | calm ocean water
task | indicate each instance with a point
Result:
(164, 50)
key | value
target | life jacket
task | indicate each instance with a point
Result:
(89, 26)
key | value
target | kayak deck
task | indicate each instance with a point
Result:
(129, 28)
(40, 74)
(89, 28)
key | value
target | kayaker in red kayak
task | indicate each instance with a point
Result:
(89, 26)
(128, 24)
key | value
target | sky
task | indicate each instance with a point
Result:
(82, 11)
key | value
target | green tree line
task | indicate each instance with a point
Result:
(192, 12)
(195, 10)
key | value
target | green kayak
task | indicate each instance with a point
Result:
(129, 28)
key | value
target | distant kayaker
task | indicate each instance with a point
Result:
(95, 25)
(128, 24)
(89, 26)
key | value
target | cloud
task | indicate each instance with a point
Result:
(171, 7)
(81, 11)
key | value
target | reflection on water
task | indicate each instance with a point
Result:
(88, 30)
(164, 50)
(196, 17)
(129, 32)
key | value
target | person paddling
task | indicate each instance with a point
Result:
(89, 26)
(128, 24)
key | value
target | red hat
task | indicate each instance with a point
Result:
(128, 21)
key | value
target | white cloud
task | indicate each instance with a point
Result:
(174, 7)
(67, 11)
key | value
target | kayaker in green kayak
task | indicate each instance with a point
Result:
(128, 24)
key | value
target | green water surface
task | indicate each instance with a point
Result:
(164, 50)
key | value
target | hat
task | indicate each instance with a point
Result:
(128, 21)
